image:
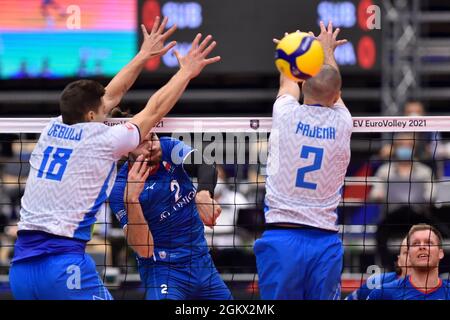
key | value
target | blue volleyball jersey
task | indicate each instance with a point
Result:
(168, 204)
(403, 289)
(376, 281)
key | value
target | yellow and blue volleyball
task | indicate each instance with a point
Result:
(299, 56)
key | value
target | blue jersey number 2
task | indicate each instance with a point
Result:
(317, 164)
(57, 166)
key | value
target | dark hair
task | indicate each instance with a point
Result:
(118, 113)
(78, 98)
(423, 226)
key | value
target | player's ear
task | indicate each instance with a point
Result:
(441, 254)
(90, 116)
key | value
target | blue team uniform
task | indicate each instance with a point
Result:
(379, 279)
(181, 267)
(72, 170)
(316, 276)
(403, 289)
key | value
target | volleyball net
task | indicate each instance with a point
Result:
(399, 175)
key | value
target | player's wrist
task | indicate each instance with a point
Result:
(144, 55)
(132, 200)
(185, 74)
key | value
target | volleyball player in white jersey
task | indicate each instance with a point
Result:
(73, 168)
(300, 254)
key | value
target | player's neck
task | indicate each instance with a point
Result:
(425, 280)
(312, 102)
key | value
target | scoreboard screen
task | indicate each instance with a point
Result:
(244, 30)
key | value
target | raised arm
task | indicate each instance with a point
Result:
(152, 46)
(288, 86)
(329, 42)
(137, 232)
(165, 98)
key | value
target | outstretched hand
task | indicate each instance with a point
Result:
(153, 43)
(328, 38)
(196, 59)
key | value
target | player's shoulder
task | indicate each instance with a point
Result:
(387, 290)
(169, 140)
(286, 98)
(395, 283)
(343, 113)
(389, 277)
(284, 102)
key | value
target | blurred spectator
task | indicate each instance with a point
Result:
(82, 68)
(403, 180)
(98, 69)
(23, 71)
(425, 143)
(404, 186)
(45, 69)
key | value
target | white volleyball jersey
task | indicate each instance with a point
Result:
(72, 171)
(309, 151)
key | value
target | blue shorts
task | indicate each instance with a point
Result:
(67, 276)
(197, 280)
(299, 264)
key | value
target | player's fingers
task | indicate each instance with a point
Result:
(136, 165)
(204, 43)
(336, 32)
(208, 50)
(169, 46)
(143, 168)
(322, 27)
(169, 32)
(330, 27)
(196, 41)
(162, 26)
(156, 24)
(341, 42)
(276, 41)
(177, 55)
(146, 174)
(212, 60)
(144, 31)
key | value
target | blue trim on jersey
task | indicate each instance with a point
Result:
(314, 105)
(31, 244)
(83, 231)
